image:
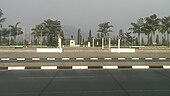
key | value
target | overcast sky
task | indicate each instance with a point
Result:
(84, 14)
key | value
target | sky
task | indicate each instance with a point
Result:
(84, 14)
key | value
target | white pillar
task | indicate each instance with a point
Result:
(109, 43)
(102, 43)
(93, 42)
(59, 43)
(119, 43)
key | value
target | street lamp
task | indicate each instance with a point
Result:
(1, 32)
(17, 31)
(41, 35)
(10, 34)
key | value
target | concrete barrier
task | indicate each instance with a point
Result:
(49, 50)
(123, 50)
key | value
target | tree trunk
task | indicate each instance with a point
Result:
(139, 38)
(167, 38)
(148, 39)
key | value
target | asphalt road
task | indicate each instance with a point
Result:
(85, 83)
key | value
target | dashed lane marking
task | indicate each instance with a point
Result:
(121, 58)
(110, 67)
(65, 58)
(93, 58)
(135, 58)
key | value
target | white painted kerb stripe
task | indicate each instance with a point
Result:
(140, 67)
(93, 58)
(135, 58)
(65, 58)
(121, 58)
(107, 58)
(148, 58)
(166, 67)
(48, 67)
(79, 67)
(16, 68)
(35, 58)
(79, 58)
(50, 58)
(5, 59)
(162, 58)
(110, 67)
(20, 59)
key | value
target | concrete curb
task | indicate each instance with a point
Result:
(77, 59)
(81, 67)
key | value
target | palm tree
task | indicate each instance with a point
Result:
(1, 18)
(51, 29)
(152, 24)
(39, 31)
(15, 31)
(165, 27)
(104, 28)
(137, 28)
(54, 31)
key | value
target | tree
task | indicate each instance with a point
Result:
(128, 38)
(4, 33)
(165, 27)
(72, 37)
(104, 28)
(90, 38)
(54, 31)
(142, 43)
(152, 23)
(122, 36)
(2, 19)
(157, 39)
(137, 28)
(79, 37)
(51, 29)
(40, 32)
(15, 31)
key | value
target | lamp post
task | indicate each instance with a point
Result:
(1, 32)
(10, 34)
(17, 31)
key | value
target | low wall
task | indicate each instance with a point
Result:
(49, 50)
(123, 50)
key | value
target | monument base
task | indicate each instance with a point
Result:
(123, 50)
(49, 50)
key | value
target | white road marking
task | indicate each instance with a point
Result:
(166, 67)
(93, 58)
(140, 67)
(79, 58)
(48, 67)
(35, 58)
(17, 68)
(162, 58)
(20, 59)
(107, 58)
(135, 58)
(50, 59)
(57, 77)
(121, 58)
(148, 58)
(65, 58)
(5, 59)
(79, 67)
(110, 67)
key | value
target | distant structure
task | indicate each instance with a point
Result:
(72, 43)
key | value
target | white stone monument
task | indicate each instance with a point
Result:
(72, 43)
